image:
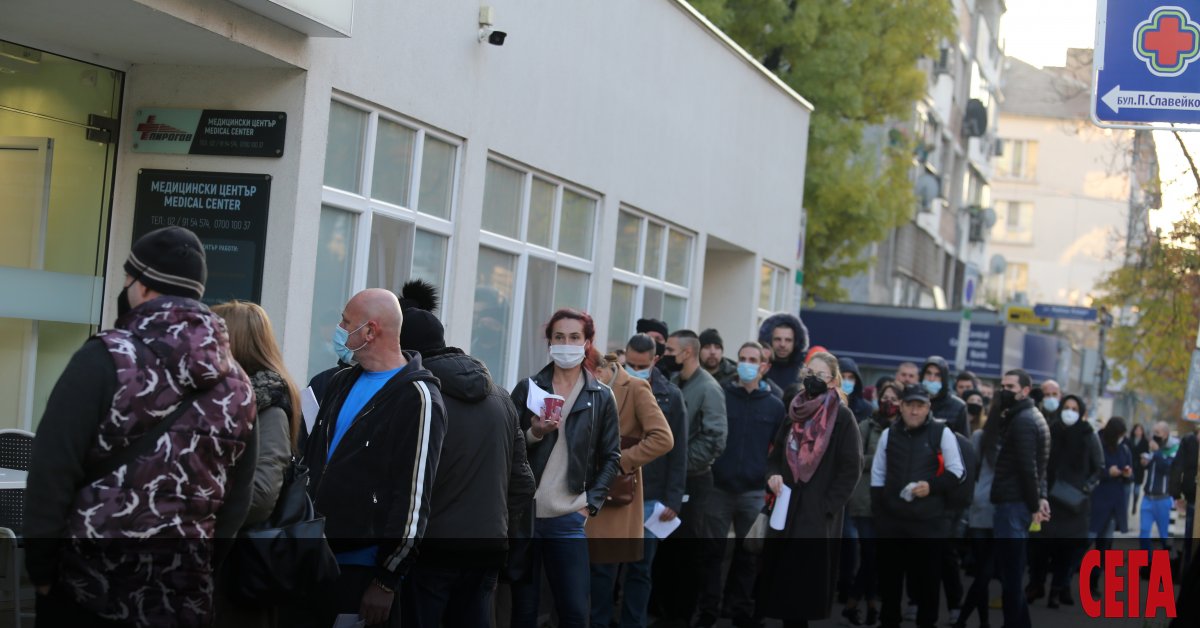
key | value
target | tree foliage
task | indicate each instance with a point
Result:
(856, 61)
(1160, 295)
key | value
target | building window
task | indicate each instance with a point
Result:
(1014, 223)
(651, 275)
(1018, 160)
(1016, 282)
(772, 287)
(535, 256)
(387, 208)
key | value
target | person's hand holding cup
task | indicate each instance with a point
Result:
(551, 416)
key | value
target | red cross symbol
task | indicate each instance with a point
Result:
(1168, 41)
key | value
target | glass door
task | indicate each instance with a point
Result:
(57, 150)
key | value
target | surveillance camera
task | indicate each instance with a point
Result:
(496, 38)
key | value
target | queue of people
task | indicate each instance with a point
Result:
(779, 482)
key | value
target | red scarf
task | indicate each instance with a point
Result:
(812, 424)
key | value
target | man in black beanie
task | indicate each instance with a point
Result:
(712, 357)
(115, 456)
(657, 330)
(482, 493)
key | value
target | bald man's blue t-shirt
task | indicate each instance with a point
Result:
(363, 390)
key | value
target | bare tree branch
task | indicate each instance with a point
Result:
(1187, 155)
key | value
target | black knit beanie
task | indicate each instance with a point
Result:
(646, 325)
(711, 336)
(169, 261)
(421, 331)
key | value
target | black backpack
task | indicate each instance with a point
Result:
(960, 497)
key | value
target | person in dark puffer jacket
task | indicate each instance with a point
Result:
(1018, 442)
(483, 489)
(132, 547)
(787, 337)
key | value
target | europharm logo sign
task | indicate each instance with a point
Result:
(1145, 73)
(209, 132)
(1121, 583)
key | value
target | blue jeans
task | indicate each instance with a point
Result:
(636, 590)
(1011, 529)
(1156, 510)
(560, 547)
(738, 510)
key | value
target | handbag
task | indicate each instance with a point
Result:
(285, 558)
(623, 487)
(757, 535)
(1068, 495)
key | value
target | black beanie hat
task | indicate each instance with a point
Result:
(647, 325)
(421, 331)
(169, 261)
(711, 336)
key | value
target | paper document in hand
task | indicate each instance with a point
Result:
(536, 398)
(309, 407)
(659, 528)
(779, 514)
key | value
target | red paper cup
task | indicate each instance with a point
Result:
(553, 406)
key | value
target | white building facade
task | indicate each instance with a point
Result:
(625, 158)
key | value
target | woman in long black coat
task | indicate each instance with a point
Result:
(818, 456)
(1076, 458)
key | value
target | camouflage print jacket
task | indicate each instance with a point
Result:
(140, 549)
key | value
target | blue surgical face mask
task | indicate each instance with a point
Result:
(848, 387)
(1050, 404)
(747, 371)
(638, 374)
(340, 336)
(933, 387)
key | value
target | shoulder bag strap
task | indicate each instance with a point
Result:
(142, 445)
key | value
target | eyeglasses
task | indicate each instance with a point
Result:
(825, 377)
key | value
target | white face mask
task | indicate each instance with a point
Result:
(567, 356)
(1069, 417)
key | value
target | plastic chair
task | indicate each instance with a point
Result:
(16, 451)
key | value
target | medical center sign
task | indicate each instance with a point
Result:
(1144, 63)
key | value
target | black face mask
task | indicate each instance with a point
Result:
(123, 305)
(1162, 442)
(1007, 399)
(975, 408)
(815, 386)
(669, 365)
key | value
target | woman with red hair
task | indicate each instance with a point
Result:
(575, 454)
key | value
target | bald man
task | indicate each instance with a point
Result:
(1051, 397)
(372, 457)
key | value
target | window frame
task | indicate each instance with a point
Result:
(523, 250)
(364, 207)
(778, 293)
(640, 280)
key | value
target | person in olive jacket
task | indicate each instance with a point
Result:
(575, 454)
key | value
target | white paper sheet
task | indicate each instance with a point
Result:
(779, 514)
(309, 408)
(659, 528)
(536, 399)
(349, 620)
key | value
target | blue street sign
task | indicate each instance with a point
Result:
(1065, 311)
(1144, 62)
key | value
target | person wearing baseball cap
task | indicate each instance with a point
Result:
(127, 412)
(917, 462)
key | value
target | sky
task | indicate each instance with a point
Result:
(1039, 33)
